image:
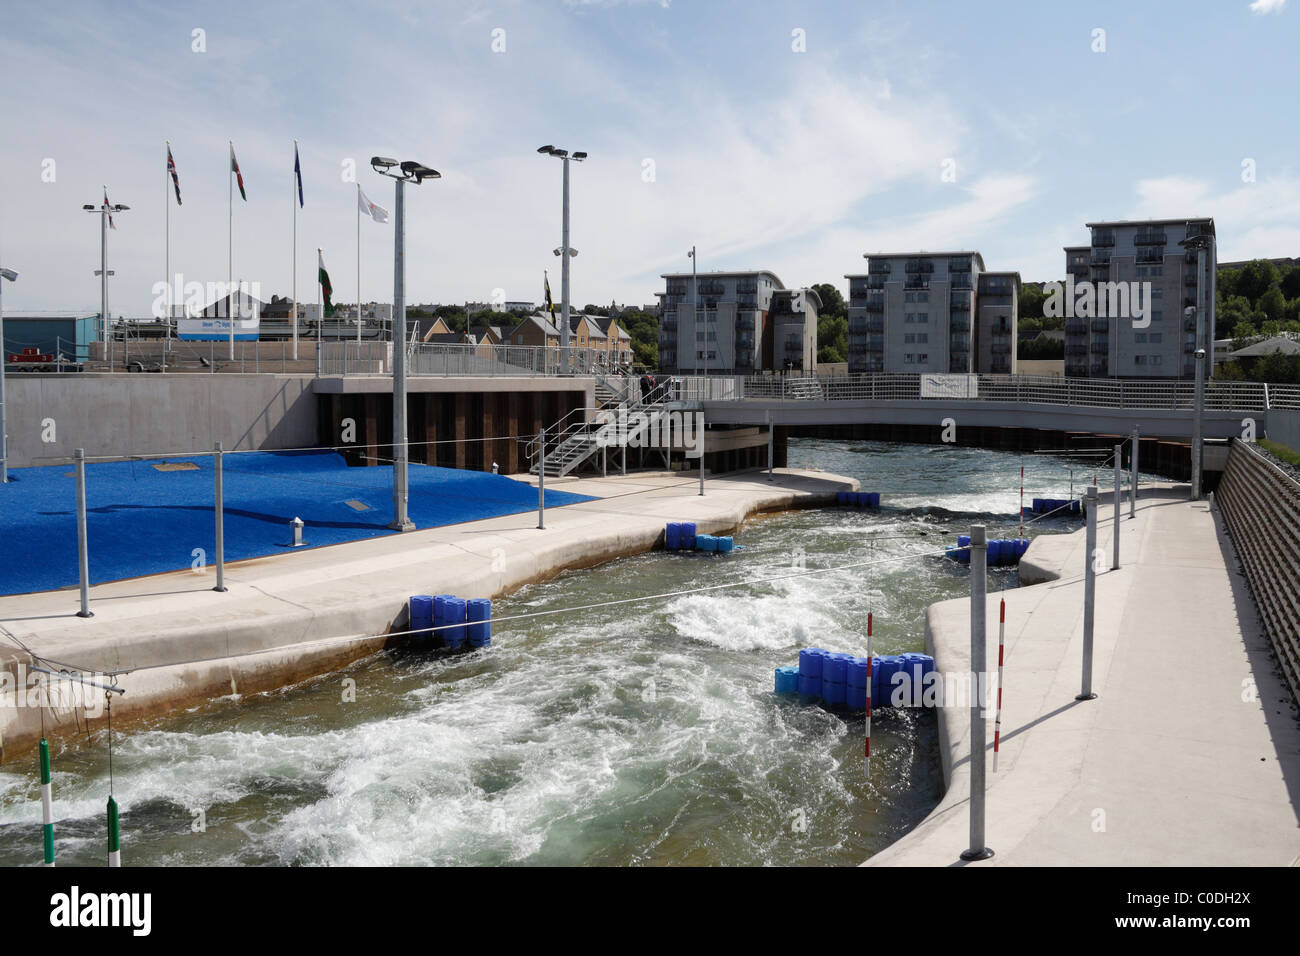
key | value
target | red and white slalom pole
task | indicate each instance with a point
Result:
(997, 716)
(868, 739)
(1022, 501)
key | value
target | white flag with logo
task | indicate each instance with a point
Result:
(375, 211)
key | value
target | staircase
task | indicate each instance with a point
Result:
(575, 439)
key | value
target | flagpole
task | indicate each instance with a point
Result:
(320, 311)
(167, 274)
(358, 271)
(230, 245)
(293, 201)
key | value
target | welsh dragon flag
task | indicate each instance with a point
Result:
(327, 290)
(239, 177)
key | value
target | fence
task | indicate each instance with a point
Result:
(1027, 389)
(1261, 506)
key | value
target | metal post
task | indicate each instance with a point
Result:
(1114, 564)
(83, 555)
(978, 653)
(1089, 594)
(400, 495)
(103, 284)
(770, 450)
(541, 479)
(1133, 489)
(47, 804)
(220, 510)
(701, 424)
(4, 354)
(564, 276)
(1197, 436)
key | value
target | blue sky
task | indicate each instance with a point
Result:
(763, 157)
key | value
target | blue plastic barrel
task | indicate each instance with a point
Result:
(440, 617)
(725, 544)
(856, 685)
(673, 535)
(841, 497)
(1022, 545)
(706, 542)
(836, 668)
(454, 609)
(915, 666)
(810, 662)
(963, 548)
(421, 617)
(888, 666)
(810, 686)
(478, 614)
(787, 680)
(688, 535)
(875, 499)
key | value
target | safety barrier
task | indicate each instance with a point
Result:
(858, 499)
(450, 622)
(840, 681)
(681, 536)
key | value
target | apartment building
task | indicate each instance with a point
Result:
(793, 318)
(913, 312)
(997, 303)
(1135, 262)
(728, 332)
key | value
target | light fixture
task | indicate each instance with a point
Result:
(9, 274)
(380, 163)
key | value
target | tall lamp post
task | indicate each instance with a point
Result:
(5, 275)
(565, 252)
(105, 211)
(408, 171)
(1203, 244)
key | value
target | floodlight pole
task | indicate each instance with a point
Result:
(401, 496)
(4, 357)
(564, 276)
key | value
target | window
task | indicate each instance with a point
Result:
(923, 337)
(910, 317)
(909, 359)
(1157, 359)
(1156, 315)
(1139, 360)
(1156, 338)
(1157, 292)
(1139, 336)
(923, 357)
(909, 338)
(923, 316)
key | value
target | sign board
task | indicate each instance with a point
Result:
(950, 386)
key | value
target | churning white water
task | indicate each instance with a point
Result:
(638, 734)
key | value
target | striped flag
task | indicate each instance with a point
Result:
(239, 177)
(327, 290)
(108, 205)
(546, 285)
(297, 172)
(171, 168)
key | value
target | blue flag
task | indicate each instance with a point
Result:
(297, 171)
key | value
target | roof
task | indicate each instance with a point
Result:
(1182, 221)
(791, 293)
(608, 322)
(1278, 343)
(540, 321)
(1078, 248)
(722, 274)
(925, 255)
(577, 319)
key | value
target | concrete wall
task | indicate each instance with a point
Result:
(1284, 427)
(152, 414)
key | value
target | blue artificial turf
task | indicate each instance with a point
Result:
(144, 521)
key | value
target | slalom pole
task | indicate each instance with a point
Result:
(1022, 502)
(47, 803)
(868, 738)
(997, 716)
(114, 842)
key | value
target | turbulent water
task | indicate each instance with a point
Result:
(644, 733)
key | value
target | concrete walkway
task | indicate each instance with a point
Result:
(1190, 755)
(282, 618)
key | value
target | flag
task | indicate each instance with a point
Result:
(239, 177)
(108, 205)
(546, 284)
(171, 168)
(375, 211)
(327, 290)
(297, 172)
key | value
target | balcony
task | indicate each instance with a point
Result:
(917, 282)
(1189, 258)
(1001, 348)
(1151, 255)
(876, 282)
(746, 288)
(1103, 239)
(857, 325)
(959, 264)
(1189, 323)
(876, 303)
(960, 323)
(857, 348)
(1001, 366)
(1076, 369)
(875, 324)
(712, 287)
(1098, 369)
(959, 300)
(925, 266)
(746, 303)
(958, 364)
(1078, 267)
(1189, 279)
(1076, 348)
(961, 282)
(1150, 239)
(1189, 343)
(959, 343)
(1101, 325)
(875, 343)
(1099, 346)
(676, 288)
(744, 323)
(744, 360)
(669, 321)
(879, 268)
(1100, 259)
(745, 340)
(1076, 326)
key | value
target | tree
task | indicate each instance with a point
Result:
(1272, 303)
(1031, 299)
(832, 301)
(1256, 276)
(1277, 368)
(832, 338)
(1241, 332)
(1226, 282)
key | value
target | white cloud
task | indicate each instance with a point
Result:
(1267, 6)
(1259, 219)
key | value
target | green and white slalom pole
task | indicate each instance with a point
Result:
(47, 803)
(114, 847)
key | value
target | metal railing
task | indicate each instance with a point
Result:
(1261, 507)
(1032, 389)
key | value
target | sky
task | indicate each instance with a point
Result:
(793, 137)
